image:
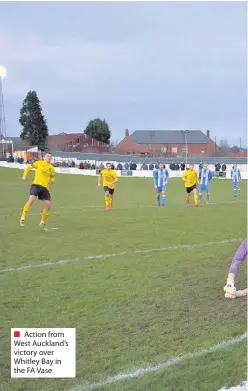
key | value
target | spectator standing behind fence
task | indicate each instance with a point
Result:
(10, 159)
(223, 167)
(217, 167)
(119, 167)
(172, 166)
(177, 167)
(126, 166)
(133, 166)
(182, 166)
(151, 166)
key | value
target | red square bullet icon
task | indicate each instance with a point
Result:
(16, 333)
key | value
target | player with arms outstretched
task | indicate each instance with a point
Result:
(44, 176)
(190, 178)
(205, 177)
(109, 179)
(160, 181)
(236, 179)
(238, 259)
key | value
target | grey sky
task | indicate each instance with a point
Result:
(138, 65)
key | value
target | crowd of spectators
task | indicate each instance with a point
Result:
(86, 165)
(220, 167)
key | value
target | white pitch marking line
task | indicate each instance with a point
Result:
(105, 256)
(160, 367)
(101, 208)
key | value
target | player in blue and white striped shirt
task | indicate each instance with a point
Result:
(205, 177)
(160, 181)
(236, 179)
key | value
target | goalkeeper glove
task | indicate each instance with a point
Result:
(230, 289)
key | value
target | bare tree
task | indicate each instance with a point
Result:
(225, 149)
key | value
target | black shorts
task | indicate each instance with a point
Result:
(190, 189)
(111, 191)
(41, 192)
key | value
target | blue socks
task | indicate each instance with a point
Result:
(163, 200)
(200, 197)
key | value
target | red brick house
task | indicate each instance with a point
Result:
(76, 142)
(167, 143)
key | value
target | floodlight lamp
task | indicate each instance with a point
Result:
(3, 71)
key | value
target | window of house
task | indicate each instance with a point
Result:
(78, 140)
(174, 149)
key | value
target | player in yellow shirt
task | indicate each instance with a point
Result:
(190, 178)
(44, 176)
(109, 179)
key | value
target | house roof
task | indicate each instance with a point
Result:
(169, 137)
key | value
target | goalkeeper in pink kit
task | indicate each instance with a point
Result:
(238, 259)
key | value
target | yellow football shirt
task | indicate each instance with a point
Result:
(190, 178)
(108, 176)
(44, 173)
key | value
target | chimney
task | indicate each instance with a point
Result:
(208, 133)
(126, 133)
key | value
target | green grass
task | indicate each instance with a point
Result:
(133, 310)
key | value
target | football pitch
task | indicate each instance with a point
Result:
(141, 285)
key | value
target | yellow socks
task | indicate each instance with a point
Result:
(25, 211)
(196, 198)
(107, 200)
(44, 215)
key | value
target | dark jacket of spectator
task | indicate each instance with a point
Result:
(151, 167)
(11, 159)
(182, 166)
(177, 167)
(223, 167)
(133, 166)
(112, 166)
(144, 167)
(119, 166)
(217, 167)
(172, 166)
